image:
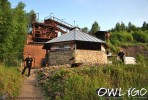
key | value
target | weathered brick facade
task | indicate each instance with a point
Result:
(36, 52)
(80, 56)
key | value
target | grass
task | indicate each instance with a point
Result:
(10, 81)
(81, 83)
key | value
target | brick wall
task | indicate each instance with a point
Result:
(36, 52)
(81, 56)
(29, 38)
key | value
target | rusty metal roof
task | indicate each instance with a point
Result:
(75, 35)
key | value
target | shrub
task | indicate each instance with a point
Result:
(10, 81)
(140, 36)
(121, 37)
(142, 59)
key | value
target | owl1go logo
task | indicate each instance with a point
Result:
(117, 92)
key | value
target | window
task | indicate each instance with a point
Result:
(58, 47)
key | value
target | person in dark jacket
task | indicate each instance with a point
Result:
(28, 64)
(121, 55)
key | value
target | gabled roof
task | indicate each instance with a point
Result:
(75, 35)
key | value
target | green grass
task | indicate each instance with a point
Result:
(81, 83)
(10, 81)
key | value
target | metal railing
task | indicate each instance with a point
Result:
(59, 20)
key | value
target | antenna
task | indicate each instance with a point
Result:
(74, 23)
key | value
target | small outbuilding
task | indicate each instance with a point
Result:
(75, 47)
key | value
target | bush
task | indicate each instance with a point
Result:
(121, 37)
(140, 36)
(10, 81)
(142, 59)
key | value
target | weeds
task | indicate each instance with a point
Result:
(81, 83)
(10, 81)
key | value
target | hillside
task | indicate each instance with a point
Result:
(135, 50)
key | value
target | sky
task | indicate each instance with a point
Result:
(84, 12)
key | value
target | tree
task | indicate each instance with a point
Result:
(13, 28)
(122, 26)
(6, 30)
(144, 26)
(85, 30)
(131, 27)
(95, 28)
(117, 26)
(31, 16)
(20, 23)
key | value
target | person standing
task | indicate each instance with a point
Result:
(28, 64)
(121, 55)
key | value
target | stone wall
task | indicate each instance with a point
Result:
(81, 56)
(60, 57)
(90, 57)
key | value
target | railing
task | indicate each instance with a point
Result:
(59, 20)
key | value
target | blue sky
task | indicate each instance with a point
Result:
(84, 12)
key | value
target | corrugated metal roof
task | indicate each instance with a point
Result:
(75, 35)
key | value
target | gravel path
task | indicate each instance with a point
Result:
(29, 91)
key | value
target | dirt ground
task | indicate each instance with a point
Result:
(135, 50)
(29, 90)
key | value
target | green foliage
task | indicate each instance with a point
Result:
(144, 26)
(20, 23)
(85, 30)
(10, 81)
(122, 34)
(95, 27)
(120, 26)
(126, 36)
(131, 27)
(6, 31)
(142, 59)
(114, 48)
(121, 37)
(81, 83)
(13, 28)
(140, 36)
(31, 17)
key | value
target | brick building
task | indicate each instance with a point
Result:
(41, 33)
